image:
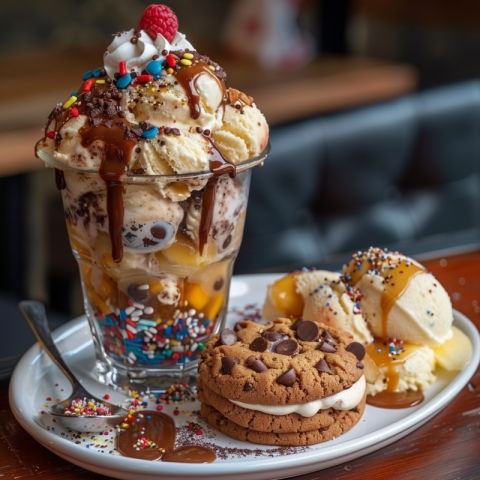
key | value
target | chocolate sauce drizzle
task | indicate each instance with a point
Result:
(60, 179)
(114, 166)
(159, 428)
(108, 125)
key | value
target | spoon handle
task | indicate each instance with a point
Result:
(34, 313)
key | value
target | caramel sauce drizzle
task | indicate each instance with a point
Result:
(396, 281)
(390, 362)
(395, 400)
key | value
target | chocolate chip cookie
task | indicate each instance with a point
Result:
(263, 422)
(344, 421)
(281, 363)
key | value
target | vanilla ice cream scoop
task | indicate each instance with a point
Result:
(337, 305)
(286, 297)
(401, 299)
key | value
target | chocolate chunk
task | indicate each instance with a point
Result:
(357, 349)
(296, 323)
(237, 327)
(360, 365)
(228, 337)
(135, 294)
(308, 331)
(260, 344)
(287, 347)
(255, 364)
(287, 379)
(329, 338)
(322, 366)
(218, 284)
(273, 336)
(227, 242)
(247, 387)
(227, 365)
(326, 347)
(158, 232)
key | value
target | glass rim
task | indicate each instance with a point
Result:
(134, 178)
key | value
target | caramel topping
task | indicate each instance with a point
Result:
(389, 357)
(395, 400)
(396, 279)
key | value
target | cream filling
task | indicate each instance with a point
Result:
(345, 400)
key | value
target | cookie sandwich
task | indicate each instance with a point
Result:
(290, 382)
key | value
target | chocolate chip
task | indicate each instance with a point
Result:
(287, 347)
(199, 130)
(357, 349)
(260, 344)
(227, 242)
(206, 132)
(134, 40)
(227, 365)
(218, 284)
(228, 337)
(247, 387)
(255, 364)
(273, 336)
(326, 347)
(158, 232)
(287, 379)
(360, 365)
(329, 338)
(308, 331)
(322, 366)
(296, 324)
(136, 294)
(176, 131)
(237, 327)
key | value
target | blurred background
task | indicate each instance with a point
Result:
(374, 107)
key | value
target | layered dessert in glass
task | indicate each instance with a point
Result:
(153, 158)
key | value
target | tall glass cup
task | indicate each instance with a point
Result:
(152, 313)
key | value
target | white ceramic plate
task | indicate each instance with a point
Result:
(35, 378)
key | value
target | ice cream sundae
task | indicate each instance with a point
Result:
(153, 156)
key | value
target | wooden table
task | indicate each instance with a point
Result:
(445, 448)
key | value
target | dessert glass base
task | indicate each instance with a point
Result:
(152, 308)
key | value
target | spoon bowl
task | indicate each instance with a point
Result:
(34, 313)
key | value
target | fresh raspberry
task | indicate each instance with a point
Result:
(159, 19)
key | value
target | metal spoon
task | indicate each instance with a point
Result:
(34, 313)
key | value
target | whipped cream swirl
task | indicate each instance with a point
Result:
(138, 55)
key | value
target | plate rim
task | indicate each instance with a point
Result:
(304, 459)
